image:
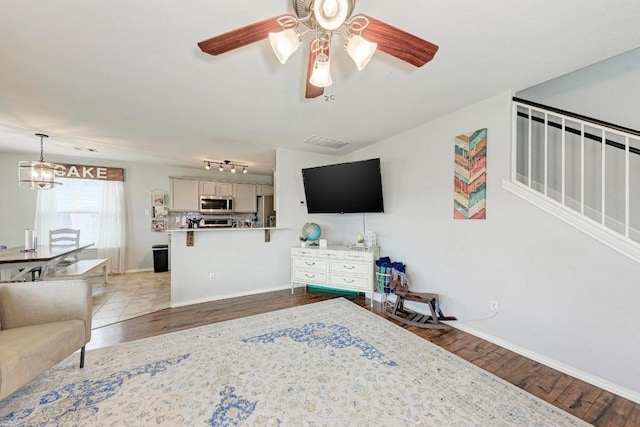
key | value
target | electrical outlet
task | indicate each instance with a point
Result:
(212, 276)
(493, 306)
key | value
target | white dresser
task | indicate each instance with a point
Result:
(334, 267)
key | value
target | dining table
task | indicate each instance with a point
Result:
(16, 263)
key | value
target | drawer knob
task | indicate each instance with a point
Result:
(349, 267)
(310, 276)
(310, 263)
(348, 281)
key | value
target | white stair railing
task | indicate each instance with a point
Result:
(582, 170)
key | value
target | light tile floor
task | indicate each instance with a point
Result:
(129, 295)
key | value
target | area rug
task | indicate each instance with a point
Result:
(324, 364)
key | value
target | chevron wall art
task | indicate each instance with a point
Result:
(470, 176)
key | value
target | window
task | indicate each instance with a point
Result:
(94, 207)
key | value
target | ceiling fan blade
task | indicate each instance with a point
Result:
(312, 91)
(399, 43)
(240, 37)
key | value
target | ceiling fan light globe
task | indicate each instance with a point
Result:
(321, 75)
(360, 50)
(284, 43)
(330, 14)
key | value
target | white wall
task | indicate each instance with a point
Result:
(608, 90)
(241, 261)
(290, 199)
(18, 205)
(564, 297)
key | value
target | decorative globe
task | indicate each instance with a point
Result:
(311, 231)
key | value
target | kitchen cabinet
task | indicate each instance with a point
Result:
(335, 267)
(184, 195)
(245, 198)
(214, 188)
(264, 190)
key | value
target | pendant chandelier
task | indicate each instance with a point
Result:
(38, 175)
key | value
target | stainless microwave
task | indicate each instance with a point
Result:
(216, 204)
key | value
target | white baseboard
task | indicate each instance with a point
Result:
(226, 296)
(554, 364)
(138, 270)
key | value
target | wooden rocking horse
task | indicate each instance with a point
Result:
(398, 312)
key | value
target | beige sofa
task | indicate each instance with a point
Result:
(41, 323)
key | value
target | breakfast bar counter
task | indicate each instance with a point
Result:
(211, 264)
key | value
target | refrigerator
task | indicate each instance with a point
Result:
(266, 214)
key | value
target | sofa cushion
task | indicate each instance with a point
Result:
(27, 351)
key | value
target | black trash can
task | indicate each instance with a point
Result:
(160, 258)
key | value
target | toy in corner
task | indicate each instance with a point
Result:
(398, 284)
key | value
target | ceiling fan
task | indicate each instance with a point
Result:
(324, 18)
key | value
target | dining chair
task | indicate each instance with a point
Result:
(65, 236)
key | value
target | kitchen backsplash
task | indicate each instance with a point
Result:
(176, 220)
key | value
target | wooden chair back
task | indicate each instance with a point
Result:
(65, 236)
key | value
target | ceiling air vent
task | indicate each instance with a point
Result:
(326, 142)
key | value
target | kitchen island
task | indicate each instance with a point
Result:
(227, 262)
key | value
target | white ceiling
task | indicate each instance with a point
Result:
(126, 77)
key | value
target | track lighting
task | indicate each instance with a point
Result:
(224, 163)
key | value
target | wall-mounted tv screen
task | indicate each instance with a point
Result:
(344, 187)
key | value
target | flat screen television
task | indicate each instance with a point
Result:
(344, 188)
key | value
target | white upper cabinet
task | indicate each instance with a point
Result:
(214, 188)
(245, 199)
(184, 195)
(226, 188)
(208, 187)
(264, 190)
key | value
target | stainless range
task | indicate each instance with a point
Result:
(215, 222)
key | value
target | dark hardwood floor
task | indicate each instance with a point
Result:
(585, 401)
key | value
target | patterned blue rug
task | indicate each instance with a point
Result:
(329, 363)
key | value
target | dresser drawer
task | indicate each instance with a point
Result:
(310, 277)
(310, 264)
(355, 282)
(349, 267)
(359, 256)
(327, 253)
(304, 252)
